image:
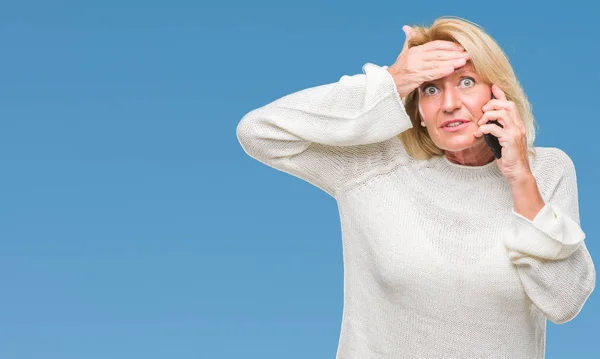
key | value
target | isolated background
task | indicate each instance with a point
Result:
(133, 225)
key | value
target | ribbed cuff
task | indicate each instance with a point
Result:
(551, 235)
(401, 100)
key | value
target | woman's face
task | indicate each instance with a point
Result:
(460, 95)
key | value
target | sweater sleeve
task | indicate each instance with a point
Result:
(549, 252)
(314, 133)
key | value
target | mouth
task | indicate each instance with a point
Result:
(453, 122)
(456, 128)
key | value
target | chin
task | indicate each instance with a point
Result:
(458, 144)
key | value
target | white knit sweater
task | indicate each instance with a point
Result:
(437, 264)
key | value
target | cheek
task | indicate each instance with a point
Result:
(475, 107)
(426, 110)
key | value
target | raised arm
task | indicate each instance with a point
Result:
(316, 133)
(312, 134)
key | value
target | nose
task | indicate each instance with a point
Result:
(451, 100)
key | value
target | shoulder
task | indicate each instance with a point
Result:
(553, 157)
(552, 163)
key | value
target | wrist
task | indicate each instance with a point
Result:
(523, 180)
(526, 197)
(402, 87)
(523, 184)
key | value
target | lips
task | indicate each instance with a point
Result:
(457, 128)
(455, 120)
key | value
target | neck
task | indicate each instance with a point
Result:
(477, 155)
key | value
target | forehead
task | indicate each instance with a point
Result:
(468, 68)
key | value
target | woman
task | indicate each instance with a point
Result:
(448, 251)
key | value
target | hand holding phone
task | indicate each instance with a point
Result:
(492, 140)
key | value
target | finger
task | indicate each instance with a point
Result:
(439, 45)
(496, 104)
(498, 93)
(436, 73)
(436, 70)
(432, 65)
(502, 105)
(408, 32)
(498, 115)
(493, 129)
(512, 114)
(440, 55)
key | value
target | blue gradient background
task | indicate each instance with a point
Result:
(133, 225)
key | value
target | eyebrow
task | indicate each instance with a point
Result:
(463, 69)
(459, 71)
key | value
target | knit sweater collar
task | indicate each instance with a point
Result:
(461, 172)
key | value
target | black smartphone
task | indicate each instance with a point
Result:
(492, 140)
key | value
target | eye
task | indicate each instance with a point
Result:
(469, 81)
(426, 90)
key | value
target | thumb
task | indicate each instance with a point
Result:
(408, 31)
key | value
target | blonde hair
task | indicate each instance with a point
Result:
(489, 62)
